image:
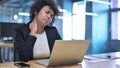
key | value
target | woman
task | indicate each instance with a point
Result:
(35, 40)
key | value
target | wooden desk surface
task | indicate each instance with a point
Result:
(114, 63)
(35, 65)
(3, 44)
(104, 64)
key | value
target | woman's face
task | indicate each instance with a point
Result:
(44, 16)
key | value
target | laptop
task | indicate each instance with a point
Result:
(66, 52)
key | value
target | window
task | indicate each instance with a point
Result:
(78, 28)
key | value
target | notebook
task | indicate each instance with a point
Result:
(66, 52)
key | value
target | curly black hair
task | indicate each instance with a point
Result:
(39, 4)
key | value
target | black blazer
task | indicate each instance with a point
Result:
(24, 43)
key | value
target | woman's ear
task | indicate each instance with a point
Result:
(35, 13)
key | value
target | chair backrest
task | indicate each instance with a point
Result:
(0, 56)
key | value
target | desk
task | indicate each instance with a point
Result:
(105, 64)
(35, 65)
(114, 63)
(6, 51)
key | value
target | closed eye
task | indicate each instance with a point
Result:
(51, 15)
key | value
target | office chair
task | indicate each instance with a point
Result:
(0, 56)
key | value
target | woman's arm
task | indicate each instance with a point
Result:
(24, 46)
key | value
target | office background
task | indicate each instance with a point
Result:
(95, 20)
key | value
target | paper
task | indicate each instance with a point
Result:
(94, 59)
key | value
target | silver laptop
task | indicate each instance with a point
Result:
(66, 52)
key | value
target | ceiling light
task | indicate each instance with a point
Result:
(15, 17)
(91, 14)
(63, 10)
(23, 14)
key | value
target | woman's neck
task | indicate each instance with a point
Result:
(40, 30)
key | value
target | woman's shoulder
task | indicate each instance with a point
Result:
(50, 28)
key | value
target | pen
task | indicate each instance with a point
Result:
(87, 58)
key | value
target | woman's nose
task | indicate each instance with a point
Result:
(49, 16)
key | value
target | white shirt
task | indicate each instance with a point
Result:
(41, 48)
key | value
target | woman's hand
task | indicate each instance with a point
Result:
(33, 27)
